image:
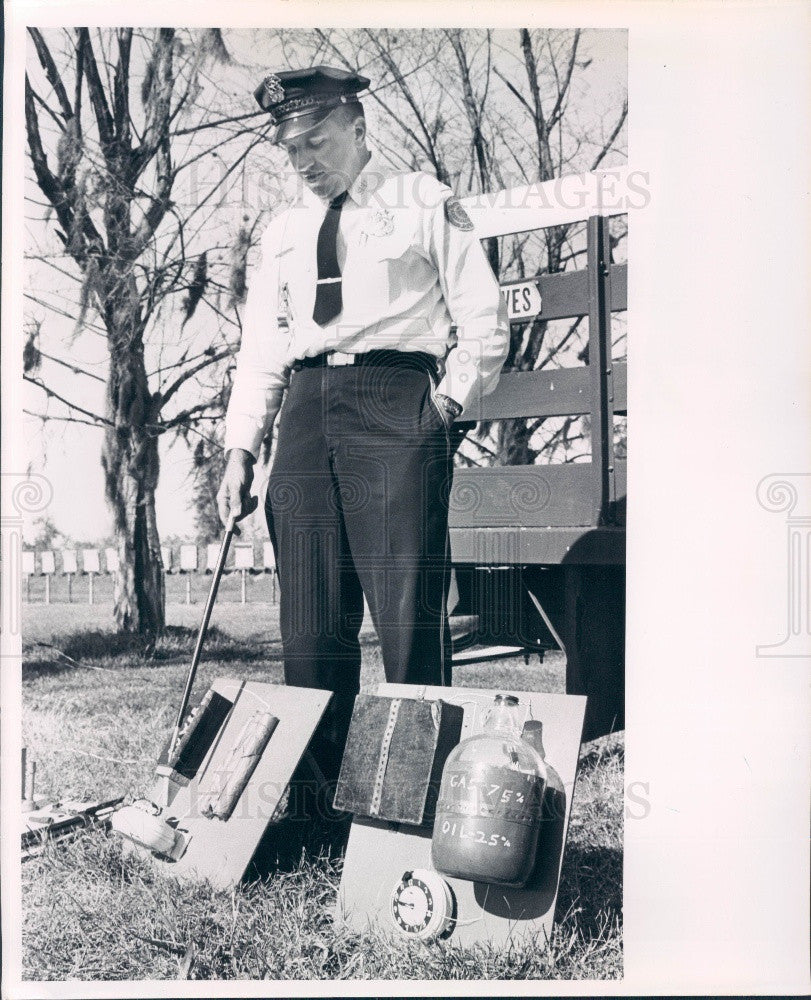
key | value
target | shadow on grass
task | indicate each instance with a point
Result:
(591, 885)
(33, 669)
(178, 641)
(602, 751)
(77, 650)
(120, 650)
(312, 830)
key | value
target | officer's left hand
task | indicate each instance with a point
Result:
(449, 409)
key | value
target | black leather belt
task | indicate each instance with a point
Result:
(339, 359)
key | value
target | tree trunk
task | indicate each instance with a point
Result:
(513, 443)
(131, 466)
(139, 587)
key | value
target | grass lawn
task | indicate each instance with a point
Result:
(95, 726)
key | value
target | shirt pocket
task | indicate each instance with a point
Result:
(380, 271)
(394, 245)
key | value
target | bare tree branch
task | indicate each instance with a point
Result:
(191, 372)
(73, 406)
(564, 340)
(541, 131)
(193, 130)
(65, 420)
(563, 89)
(610, 141)
(513, 89)
(121, 105)
(104, 120)
(185, 415)
(45, 178)
(52, 73)
(74, 368)
(48, 110)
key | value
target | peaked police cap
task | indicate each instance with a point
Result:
(298, 99)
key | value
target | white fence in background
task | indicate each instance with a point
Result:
(188, 560)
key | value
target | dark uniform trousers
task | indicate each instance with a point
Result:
(357, 503)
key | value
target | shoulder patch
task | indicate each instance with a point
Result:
(456, 215)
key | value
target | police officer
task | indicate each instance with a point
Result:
(352, 312)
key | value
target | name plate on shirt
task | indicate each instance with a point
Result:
(523, 299)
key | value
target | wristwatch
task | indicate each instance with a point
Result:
(449, 404)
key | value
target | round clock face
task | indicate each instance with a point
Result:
(421, 904)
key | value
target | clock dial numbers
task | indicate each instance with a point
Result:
(422, 904)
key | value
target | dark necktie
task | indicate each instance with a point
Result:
(328, 298)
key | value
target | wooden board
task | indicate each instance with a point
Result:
(379, 853)
(522, 495)
(531, 496)
(539, 545)
(220, 850)
(549, 392)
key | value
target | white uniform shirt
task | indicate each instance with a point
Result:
(408, 276)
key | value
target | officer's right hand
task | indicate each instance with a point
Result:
(234, 496)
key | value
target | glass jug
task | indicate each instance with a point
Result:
(490, 804)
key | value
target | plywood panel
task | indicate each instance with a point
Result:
(379, 853)
(221, 850)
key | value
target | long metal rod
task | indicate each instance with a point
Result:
(198, 649)
(546, 619)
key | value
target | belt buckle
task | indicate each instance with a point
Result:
(336, 359)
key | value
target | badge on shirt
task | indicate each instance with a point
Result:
(456, 215)
(284, 317)
(380, 224)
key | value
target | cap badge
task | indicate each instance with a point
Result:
(273, 88)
